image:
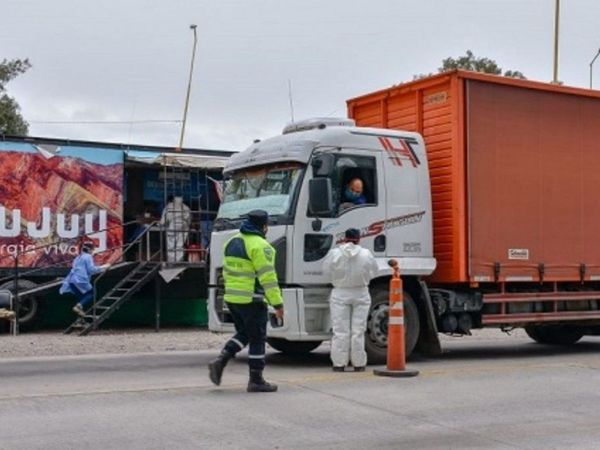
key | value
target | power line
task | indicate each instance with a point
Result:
(100, 122)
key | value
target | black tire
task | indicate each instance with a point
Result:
(293, 347)
(377, 323)
(29, 306)
(554, 334)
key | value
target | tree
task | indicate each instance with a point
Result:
(475, 64)
(11, 121)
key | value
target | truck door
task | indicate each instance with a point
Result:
(408, 210)
(314, 237)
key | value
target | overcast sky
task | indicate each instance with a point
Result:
(124, 60)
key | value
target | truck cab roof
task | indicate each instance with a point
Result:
(300, 139)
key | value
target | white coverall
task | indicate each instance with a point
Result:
(350, 269)
(176, 218)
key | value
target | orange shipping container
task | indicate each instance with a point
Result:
(515, 173)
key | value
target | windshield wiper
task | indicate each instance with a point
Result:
(273, 219)
(225, 222)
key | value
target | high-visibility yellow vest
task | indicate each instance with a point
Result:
(249, 271)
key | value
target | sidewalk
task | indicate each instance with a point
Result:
(126, 341)
(54, 343)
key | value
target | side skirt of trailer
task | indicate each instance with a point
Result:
(539, 307)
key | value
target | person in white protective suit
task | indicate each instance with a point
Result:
(176, 219)
(350, 268)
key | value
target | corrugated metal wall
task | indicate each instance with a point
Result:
(534, 180)
(430, 108)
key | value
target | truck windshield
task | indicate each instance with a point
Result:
(270, 188)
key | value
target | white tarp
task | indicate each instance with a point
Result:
(177, 159)
(170, 274)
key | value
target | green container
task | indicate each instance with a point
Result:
(182, 303)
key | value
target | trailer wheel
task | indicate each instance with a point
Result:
(554, 335)
(377, 326)
(29, 306)
(293, 347)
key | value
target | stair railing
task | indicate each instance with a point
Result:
(139, 239)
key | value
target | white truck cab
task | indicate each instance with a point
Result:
(299, 178)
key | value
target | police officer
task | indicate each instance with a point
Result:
(250, 283)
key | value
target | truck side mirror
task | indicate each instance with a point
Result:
(323, 165)
(320, 202)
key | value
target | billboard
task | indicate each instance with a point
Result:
(53, 196)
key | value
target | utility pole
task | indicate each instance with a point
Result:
(556, 20)
(189, 87)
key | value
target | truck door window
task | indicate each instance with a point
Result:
(316, 246)
(354, 182)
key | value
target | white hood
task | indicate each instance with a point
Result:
(350, 266)
(350, 250)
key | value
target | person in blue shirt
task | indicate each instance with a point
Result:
(353, 194)
(79, 280)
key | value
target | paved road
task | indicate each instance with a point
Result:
(480, 394)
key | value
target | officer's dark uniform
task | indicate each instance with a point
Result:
(250, 280)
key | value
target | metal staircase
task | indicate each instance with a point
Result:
(123, 291)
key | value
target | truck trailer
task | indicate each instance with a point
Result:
(484, 188)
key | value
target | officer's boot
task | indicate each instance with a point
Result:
(258, 384)
(217, 365)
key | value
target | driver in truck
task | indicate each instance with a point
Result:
(353, 194)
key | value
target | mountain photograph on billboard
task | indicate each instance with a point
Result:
(54, 197)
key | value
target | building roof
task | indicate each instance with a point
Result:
(113, 146)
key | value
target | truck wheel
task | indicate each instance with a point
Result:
(293, 347)
(29, 305)
(554, 335)
(377, 326)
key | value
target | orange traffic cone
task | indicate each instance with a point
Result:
(396, 348)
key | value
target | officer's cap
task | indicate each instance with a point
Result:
(258, 218)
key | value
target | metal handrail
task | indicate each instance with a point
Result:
(61, 241)
(95, 291)
(137, 240)
(39, 247)
(126, 247)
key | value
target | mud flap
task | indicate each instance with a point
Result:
(429, 342)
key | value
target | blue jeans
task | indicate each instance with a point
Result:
(83, 299)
